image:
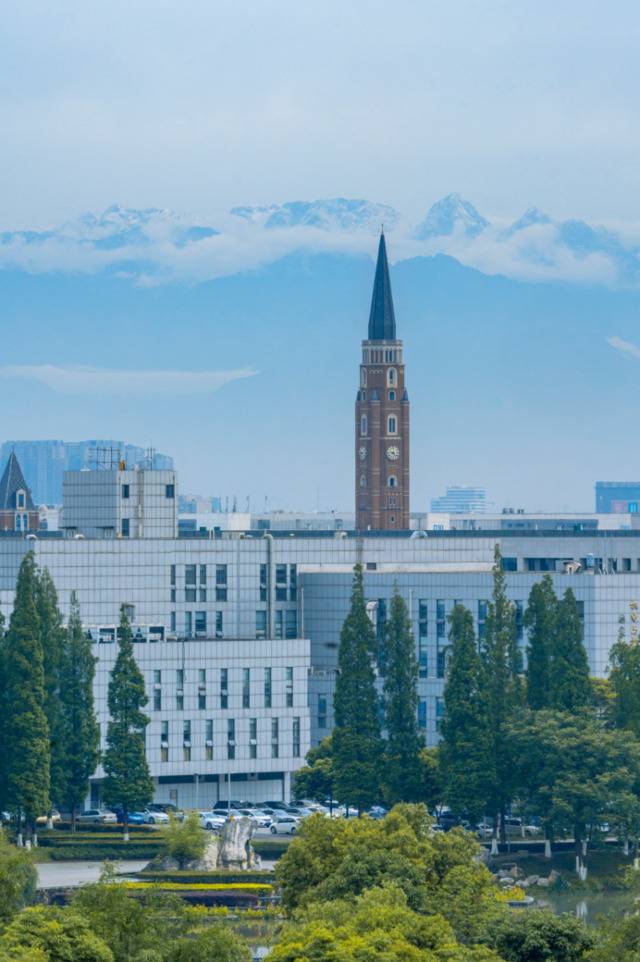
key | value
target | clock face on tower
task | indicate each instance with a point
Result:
(393, 452)
(362, 453)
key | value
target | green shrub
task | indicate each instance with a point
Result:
(184, 841)
(99, 851)
(209, 877)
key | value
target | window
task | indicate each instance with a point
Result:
(208, 739)
(219, 630)
(422, 713)
(483, 607)
(189, 582)
(224, 688)
(296, 738)
(281, 582)
(188, 624)
(392, 395)
(392, 424)
(441, 662)
(391, 376)
(180, 689)
(392, 481)
(221, 582)
(267, 688)
(231, 738)
(202, 676)
(169, 490)
(186, 741)
(202, 688)
(322, 711)
(201, 624)
(125, 528)
(291, 624)
(509, 564)
(293, 582)
(125, 494)
(439, 712)
(363, 480)
(246, 688)
(626, 564)
(173, 583)
(275, 738)
(288, 687)
(423, 661)
(440, 619)
(202, 592)
(263, 582)
(278, 624)
(253, 738)
(173, 622)
(423, 614)
(261, 624)
(363, 377)
(157, 699)
(164, 741)
(363, 425)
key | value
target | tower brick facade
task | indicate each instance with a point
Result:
(382, 417)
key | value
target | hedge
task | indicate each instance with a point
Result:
(99, 851)
(199, 886)
(184, 876)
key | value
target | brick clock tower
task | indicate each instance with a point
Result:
(382, 417)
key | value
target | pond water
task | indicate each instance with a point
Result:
(589, 906)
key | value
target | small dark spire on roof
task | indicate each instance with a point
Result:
(13, 481)
(382, 321)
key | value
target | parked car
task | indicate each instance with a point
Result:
(224, 806)
(212, 821)
(168, 808)
(263, 818)
(97, 816)
(55, 817)
(155, 818)
(279, 806)
(133, 818)
(286, 825)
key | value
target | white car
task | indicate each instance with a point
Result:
(212, 821)
(155, 818)
(95, 816)
(285, 825)
(263, 819)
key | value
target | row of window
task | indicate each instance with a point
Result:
(169, 491)
(231, 739)
(195, 582)
(392, 425)
(285, 624)
(223, 689)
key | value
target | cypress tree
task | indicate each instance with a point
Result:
(402, 774)
(569, 685)
(465, 752)
(4, 728)
(501, 665)
(27, 758)
(52, 639)
(356, 738)
(624, 677)
(540, 621)
(127, 781)
(79, 727)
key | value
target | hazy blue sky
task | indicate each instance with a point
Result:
(202, 104)
(238, 353)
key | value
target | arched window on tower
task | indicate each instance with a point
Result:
(392, 395)
(363, 480)
(363, 378)
(391, 376)
(392, 424)
(363, 425)
(392, 481)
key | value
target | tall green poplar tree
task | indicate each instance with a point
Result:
(27, 757)
(4, 729)
(466, 756)
(127, 782)
(540, 621)
(357, 745)
(569, 685)
(79, 727)
(501, 663)
(624, 677)
(52, 634)
(402, 768)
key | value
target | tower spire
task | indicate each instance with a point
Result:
(382, 321)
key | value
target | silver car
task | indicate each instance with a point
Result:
(97, 816)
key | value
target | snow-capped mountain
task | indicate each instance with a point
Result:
(451, 215)
(118, 228)
(337, 213)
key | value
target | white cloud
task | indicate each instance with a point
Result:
(625, 347)
(93, 380)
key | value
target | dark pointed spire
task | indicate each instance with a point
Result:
(13, 481)
(382, 321)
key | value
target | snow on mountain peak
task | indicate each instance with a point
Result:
(338, 213)
(452, 214)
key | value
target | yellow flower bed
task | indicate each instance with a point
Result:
(201, 886)
(513, 894)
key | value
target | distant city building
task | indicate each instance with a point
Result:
(461, 500)
(44, 462)
(617, 497)
(17, 510)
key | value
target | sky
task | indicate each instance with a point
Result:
(238, 354)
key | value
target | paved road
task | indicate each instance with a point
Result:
(53, 875)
